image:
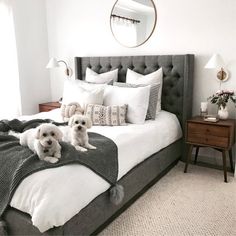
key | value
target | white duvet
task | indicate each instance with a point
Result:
(53, 196)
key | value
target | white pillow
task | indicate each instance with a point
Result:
(137, 100)
(133, 77)
(154, 90)
(89, 86)
(103, 78)
(75, 92)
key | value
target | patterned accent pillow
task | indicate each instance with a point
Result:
(106, 115)
(153, 97)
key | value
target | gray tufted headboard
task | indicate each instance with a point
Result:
(177, 80)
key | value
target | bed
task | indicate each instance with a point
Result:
(176, 99)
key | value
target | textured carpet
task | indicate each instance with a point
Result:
(195, 203)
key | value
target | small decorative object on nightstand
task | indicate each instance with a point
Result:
(221, 98)
(203, 109)
(218, 135)
(48, 106)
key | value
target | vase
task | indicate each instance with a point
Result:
(223, 113)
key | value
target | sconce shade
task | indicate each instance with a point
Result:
(216, 61)
(52, 63)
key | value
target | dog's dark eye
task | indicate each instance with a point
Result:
(77, 122)
(52, 134)
(44, 135)
(83, 123)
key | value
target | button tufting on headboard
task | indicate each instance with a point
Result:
(177, 76)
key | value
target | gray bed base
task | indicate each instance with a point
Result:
(176, 98)
(100, 211)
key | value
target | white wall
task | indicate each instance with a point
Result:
(32, 49)
(69, 28)
(82, 28)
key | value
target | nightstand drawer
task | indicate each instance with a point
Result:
(211, 135)
(45, 108)
(219, 135)
(48, 106)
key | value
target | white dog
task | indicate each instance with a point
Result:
(78, 132)
(44, 141)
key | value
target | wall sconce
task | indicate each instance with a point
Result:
(53, 63)
(216, 62)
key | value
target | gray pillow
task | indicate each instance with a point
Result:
(154, 90)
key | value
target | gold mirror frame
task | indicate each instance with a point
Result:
(154, 26)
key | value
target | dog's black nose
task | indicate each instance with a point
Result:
(49, 142)
(79, 127)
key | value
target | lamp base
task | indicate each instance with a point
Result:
(69, 72)
(222, 75)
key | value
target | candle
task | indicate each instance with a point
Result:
(203, 106)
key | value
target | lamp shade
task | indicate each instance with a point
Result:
(216, 61)
(52, 63)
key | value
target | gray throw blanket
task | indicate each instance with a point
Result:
(18, 162)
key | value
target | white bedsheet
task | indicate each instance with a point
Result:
(53, 196)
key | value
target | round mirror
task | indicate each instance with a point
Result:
(133, 21)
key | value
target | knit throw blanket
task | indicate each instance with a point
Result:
(17, 162)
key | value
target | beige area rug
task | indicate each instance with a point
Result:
(195, 203)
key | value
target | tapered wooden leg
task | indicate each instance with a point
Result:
(224, 165)
(188, 158)
(231, 160)
(196, 155)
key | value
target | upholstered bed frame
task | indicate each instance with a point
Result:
(176, 98)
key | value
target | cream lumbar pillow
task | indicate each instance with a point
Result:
(137, 100)
(133, 77)
(70, 109)
(103, 78)
(106, 115)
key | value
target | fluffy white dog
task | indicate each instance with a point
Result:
(78, 135)
(44, 141)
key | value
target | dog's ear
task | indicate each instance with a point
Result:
(89, 122)
(59, 135)
(37, 133)
(71, 121)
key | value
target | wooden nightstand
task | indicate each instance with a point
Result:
(48, 106)
(219, 135)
